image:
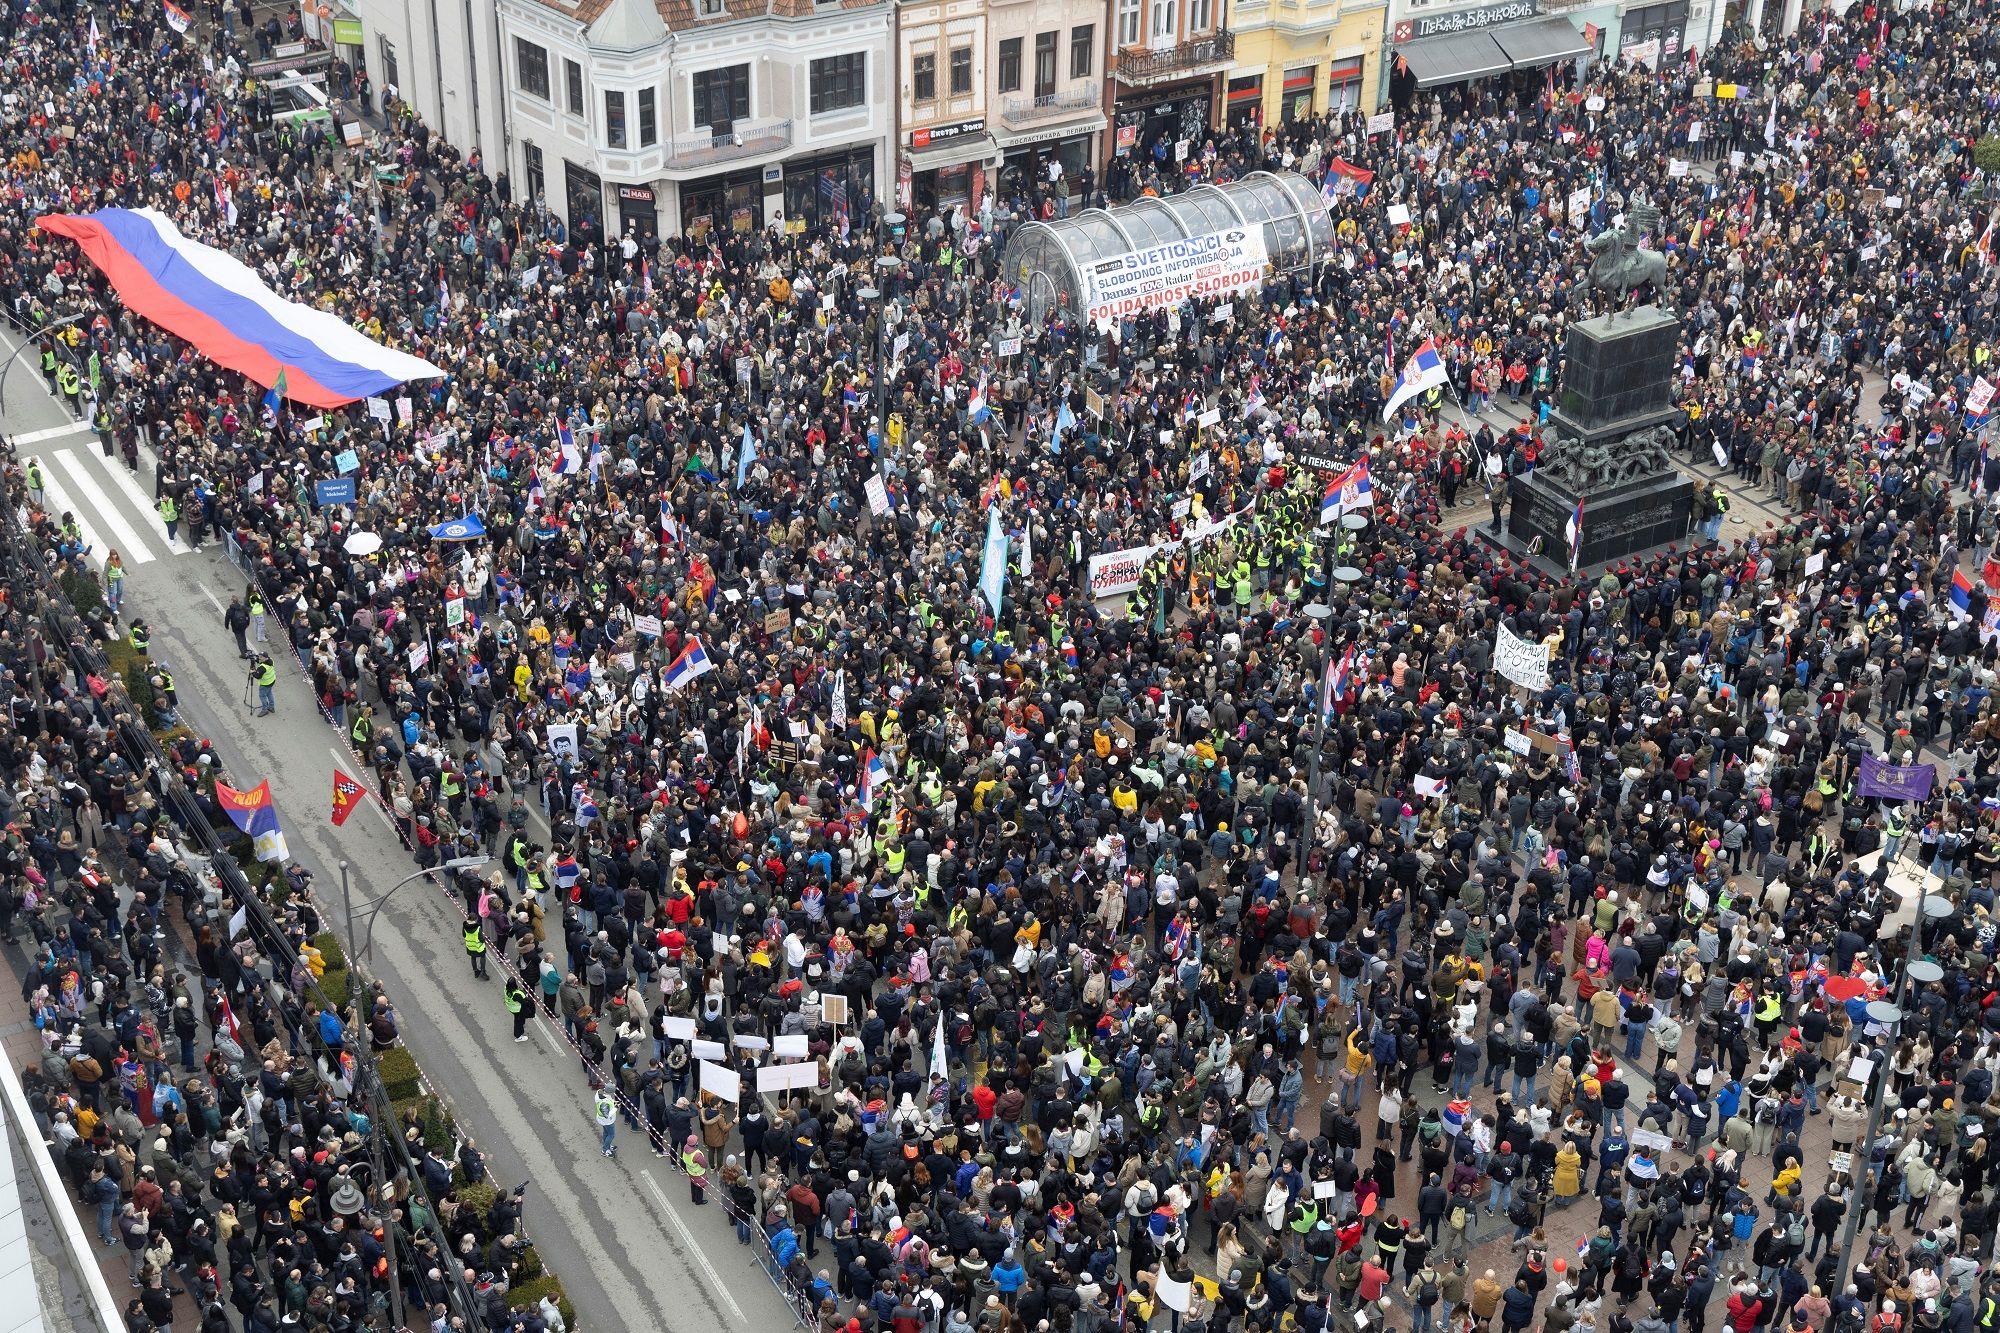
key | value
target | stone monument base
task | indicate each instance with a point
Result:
(1638, 516)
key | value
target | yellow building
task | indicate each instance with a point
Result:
(1300, 58)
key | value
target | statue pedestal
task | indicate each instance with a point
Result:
(1636, 517)
(1617, 389)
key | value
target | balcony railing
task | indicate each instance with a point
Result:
(1023, 110)
(744, 139)
(1138, 66)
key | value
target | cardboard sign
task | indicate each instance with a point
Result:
(778, 621)
(1093, 403)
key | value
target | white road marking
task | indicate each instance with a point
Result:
(128, 538)
(687, 1239)
(51, 433)
(59, 504)
(122, 478)
(213, 600)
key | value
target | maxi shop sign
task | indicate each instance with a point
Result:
(1463, 20)
(1216, 264)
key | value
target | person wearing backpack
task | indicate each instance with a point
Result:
(1425, 1288)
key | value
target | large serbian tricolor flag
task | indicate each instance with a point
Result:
(230, 315)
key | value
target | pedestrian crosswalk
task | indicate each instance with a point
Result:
(109, 505)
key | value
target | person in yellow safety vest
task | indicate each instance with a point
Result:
(894, 857)
(475, 946)
(68, 381)
(695, 1161)
(138, 638)
(266, 676)
(170, 514)
(35, 482)
(1895, 826)
(517, 1005)
(958, 918)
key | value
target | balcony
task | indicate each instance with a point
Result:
(744, 139)
(1202, 55)
(1022, 110)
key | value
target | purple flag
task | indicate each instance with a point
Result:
(1895, 782)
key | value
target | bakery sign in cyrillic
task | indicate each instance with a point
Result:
(1464, 20)
(1216, 264)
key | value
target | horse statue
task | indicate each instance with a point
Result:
(1619, 263)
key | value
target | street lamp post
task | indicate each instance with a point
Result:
(365, 1053)
(1321, 613)
(1924, 972)
(28, 342)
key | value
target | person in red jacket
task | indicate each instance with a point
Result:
(1744, 1307)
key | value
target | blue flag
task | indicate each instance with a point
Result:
(993, 564)
(745, 456)
(464, 529)
(1065, 421)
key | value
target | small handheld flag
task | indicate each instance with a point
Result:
(1575, 533)
(1352, 489)
(1423, 372)
(347, 794)
(684, 670)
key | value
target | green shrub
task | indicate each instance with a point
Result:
(531, 1264)
(329, 948)
(132, 669)
(85, 593)
(440, 1132)
(339, 987)
(527, 1295)
(398, 1071)
(1985, 154)
(479, 1198)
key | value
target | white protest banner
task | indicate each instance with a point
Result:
(1429, 786)
(405, 410)
(746, 1041)
(878, 495)
(790, 1046)
(562, 740)
(1225, 311)
(1175, 1294)
(1677, 167)
(420, 653)
(378, 408)
(1517, 741)
(1398, 215)
(1815, 563)
(721, 1082)
(649, 626)
(1010, 347)
(774, 1078)
(1979, 397)
(679, 1029)
(1212, 417)
(1117, 573)
(1522, 661)
(1214, 264)
(1382, 122)
(1721, 454)
(709, 1050)
(1579, 203)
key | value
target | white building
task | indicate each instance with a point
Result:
(672, 115)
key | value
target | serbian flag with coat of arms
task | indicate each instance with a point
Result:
(1351, 489)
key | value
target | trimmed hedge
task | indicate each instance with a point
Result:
(399, 1074)
(527, 1295)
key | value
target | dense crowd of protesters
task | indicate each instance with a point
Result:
(1178, 959)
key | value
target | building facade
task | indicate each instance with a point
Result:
(945, 151)
(1165, 73)
(690, 116)
(1047, 62)
(1435, 43)
(1299, 58)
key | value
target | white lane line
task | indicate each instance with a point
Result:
(122, 478)
(687, 1239)
(213, 600)
(57, 504)
(51, 433)
(108, 513)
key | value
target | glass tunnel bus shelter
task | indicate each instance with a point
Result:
(1047, 260)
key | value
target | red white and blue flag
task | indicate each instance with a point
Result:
(1335, 684)
(1352, 489)
(1575, 535)
(1423, 372)
(230, 315)
(873, 771)
(1961, 592)
(684, 670)
(253, 812)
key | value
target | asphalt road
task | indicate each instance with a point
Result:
(629, 1248)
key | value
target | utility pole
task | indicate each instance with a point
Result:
(1924, 972)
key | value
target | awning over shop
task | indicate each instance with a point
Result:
(1540, 42)
(952, 153)
(1455, 57)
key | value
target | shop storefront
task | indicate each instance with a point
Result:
(1343, 83)
(1150, 128)
(948, 164)
(1025, 157)
(1655, 34)
(1245, 102)
(1298, 96)
(829, 192)
(584, 189)
(1509, 40)
(734, 201)
(638, 211)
